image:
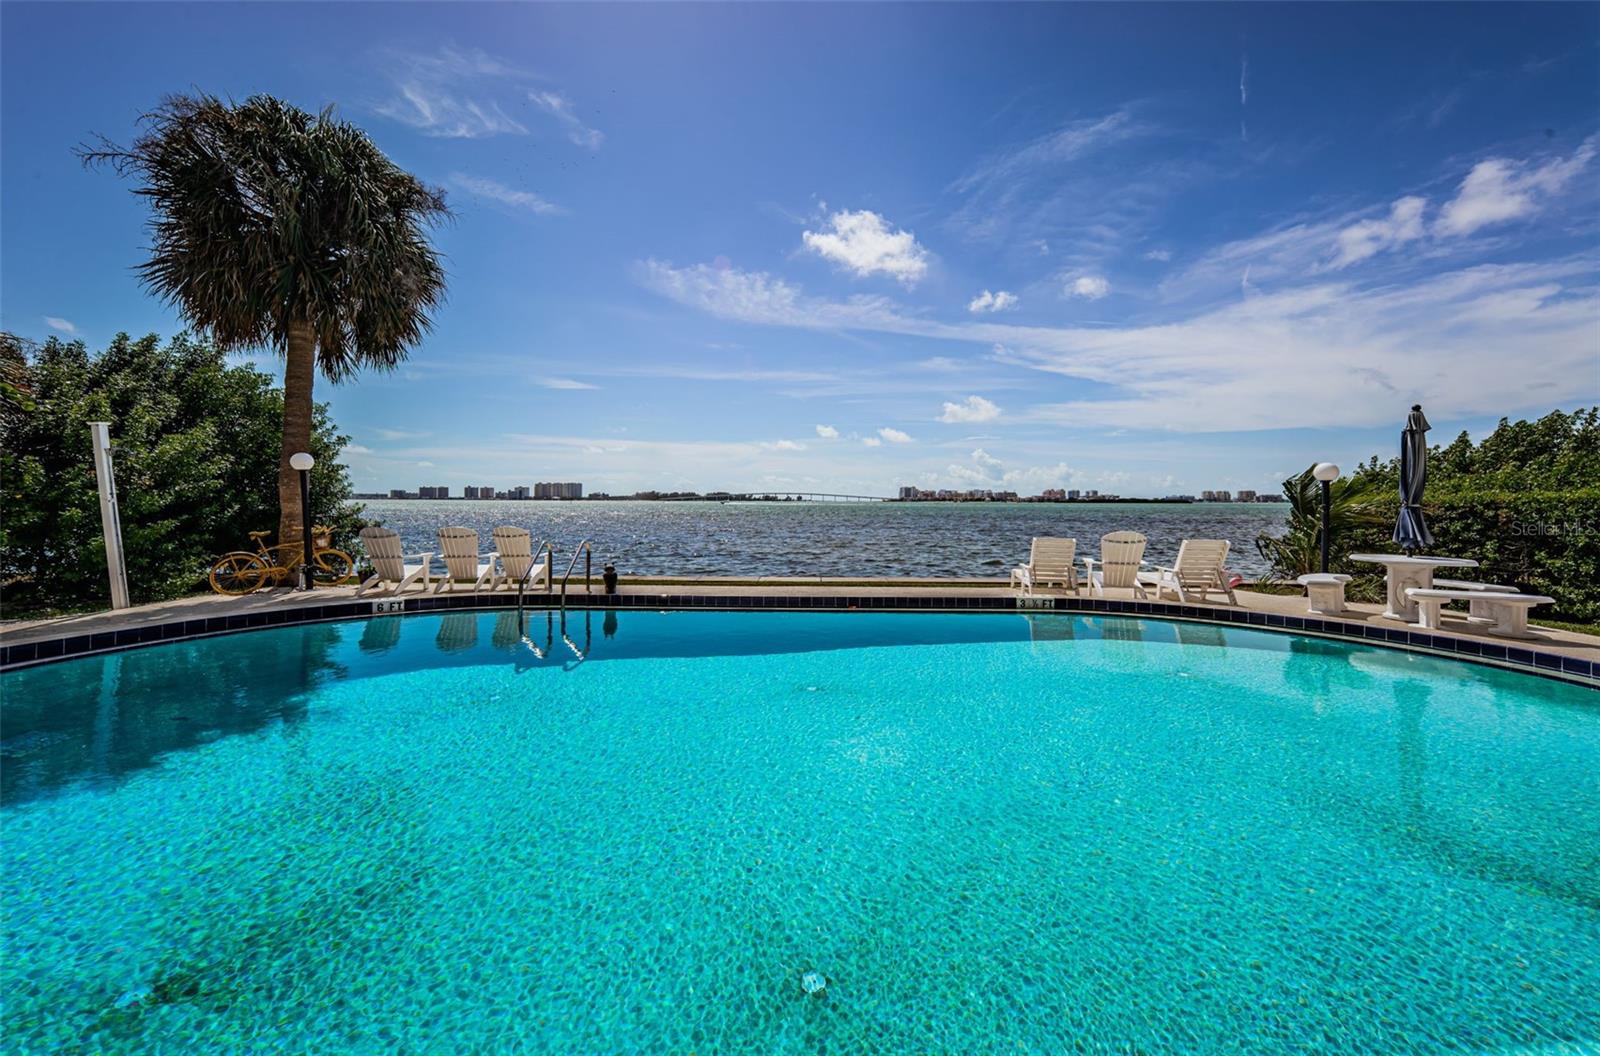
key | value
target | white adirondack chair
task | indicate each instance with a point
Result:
(389, 563)
(1049, 561)
(515, 547)
(1121, 554)
(462, 562)
(1197, 572)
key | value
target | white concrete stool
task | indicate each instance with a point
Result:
(1324, 592)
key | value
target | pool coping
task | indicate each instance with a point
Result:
(1508, 655)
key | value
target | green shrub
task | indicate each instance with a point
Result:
(1524, 503)
(196, 459)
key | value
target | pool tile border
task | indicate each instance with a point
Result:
(1533, 661)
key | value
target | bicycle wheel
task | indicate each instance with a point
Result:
(237, 573)
(334, 568)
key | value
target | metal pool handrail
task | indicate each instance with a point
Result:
(587, 550)
(522, 585)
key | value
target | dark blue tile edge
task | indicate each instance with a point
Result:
(1519, 657)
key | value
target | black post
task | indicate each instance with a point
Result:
(588, 556)
(305, 526)
(1325, 487)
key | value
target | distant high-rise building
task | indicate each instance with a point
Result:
(557, 491)
(1073, 494)
(1245, 495)
(908, 492)
(399, 493)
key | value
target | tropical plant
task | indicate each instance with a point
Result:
(196, 442)
(275, 227)
(1353, 505)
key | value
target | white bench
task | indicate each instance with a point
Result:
(1477, 611)
(1507, 610)
(1324, 592)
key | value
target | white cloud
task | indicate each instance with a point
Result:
(864, 243)
(495, 191)
(973, 409)
(357, 449)
(1162, 255)
(565, 383)
(985, 471)
(786, 445)
(827, 432)
(1067, 143)
(1317, 354)
(400, 434)
(1089, 287)
(1366, 237)
(894, 436)
(560, 107)
(1498, 190)
(55, 322)
(449, 93)
(992, 302)
(872, 441)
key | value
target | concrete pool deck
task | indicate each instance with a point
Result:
(1563, 653)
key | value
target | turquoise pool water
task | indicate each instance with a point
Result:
(984, 833)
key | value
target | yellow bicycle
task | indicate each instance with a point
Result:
(240, 571)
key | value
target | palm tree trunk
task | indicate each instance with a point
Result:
(299, 370)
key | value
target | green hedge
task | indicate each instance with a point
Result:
(1541, 542)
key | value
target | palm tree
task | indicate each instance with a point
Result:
(275, 227)
(1354, 504)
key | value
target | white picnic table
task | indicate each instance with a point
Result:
(1403, 572)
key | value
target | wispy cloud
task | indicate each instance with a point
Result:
(1498, 190)
(401, 434)
(866, 244)
(66, 326)
(495, 191)
(992, 302)
(1366, 237)
(1361, 349)
(972, 409)
(561, 108)
(827, 432)
(894, 436)
(449, 93)
(1162, 255)
(565, 383)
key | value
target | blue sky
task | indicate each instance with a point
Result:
(1143, 249)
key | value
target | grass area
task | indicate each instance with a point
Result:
(1566, 625)
(1279, 589)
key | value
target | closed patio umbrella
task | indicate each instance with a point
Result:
(1410, 530)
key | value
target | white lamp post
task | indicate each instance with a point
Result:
(1326, 473)
(303, 461)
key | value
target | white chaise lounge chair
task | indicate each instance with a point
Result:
(515, 547)
(1049, 561)
(462, 562)
(1197, 572)
(389, 564)
(1121, 554)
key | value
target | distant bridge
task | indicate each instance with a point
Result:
(775, 496)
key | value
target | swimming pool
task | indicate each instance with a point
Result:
(979, 833)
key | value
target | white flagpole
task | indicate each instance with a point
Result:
(110, 519)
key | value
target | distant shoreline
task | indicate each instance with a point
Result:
(720, 499)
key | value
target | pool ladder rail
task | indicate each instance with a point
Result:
(585, 548)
